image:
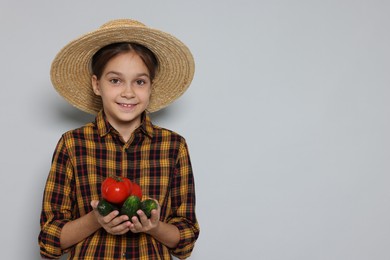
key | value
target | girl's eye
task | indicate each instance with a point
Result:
(115, 81)
(140, 82)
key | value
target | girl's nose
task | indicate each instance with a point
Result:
(127, 92)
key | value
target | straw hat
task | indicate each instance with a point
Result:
(71, 74)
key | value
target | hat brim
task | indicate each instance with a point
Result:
(71, 74)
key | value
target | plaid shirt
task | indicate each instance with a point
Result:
(154, 157)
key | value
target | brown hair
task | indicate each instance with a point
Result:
(105, 54)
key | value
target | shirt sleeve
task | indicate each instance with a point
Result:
(183, 205)
(57, 203)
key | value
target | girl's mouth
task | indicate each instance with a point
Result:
(126, 105)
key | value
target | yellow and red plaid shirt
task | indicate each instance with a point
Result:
(154, 157)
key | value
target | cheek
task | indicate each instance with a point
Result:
(107, 94)
(147, 94)
(147, 99)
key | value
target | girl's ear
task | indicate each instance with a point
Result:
(95, 85)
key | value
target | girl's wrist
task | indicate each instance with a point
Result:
(154, 231)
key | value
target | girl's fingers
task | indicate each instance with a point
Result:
(120, 229)
(94, 204)
(142, 217)
(154, 216)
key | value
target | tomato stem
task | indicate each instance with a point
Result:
(116, 178)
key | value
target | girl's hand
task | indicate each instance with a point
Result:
(111, 223)
(143, 224)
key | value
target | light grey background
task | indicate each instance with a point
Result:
(287, 120)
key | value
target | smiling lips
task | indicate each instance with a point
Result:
(127, 105)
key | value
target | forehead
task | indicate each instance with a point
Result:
(126, 63)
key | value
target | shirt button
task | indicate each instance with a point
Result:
(124, 254)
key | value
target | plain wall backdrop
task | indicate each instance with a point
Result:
(287, 120)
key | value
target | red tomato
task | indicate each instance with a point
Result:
(136, 190)
(116, 189)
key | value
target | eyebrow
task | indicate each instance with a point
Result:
(120, 74)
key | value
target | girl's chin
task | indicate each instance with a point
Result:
(124, 117)
(128, 117)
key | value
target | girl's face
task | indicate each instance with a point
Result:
(125, 89)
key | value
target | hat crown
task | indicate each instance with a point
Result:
(122, 22)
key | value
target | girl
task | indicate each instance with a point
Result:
(121, 72)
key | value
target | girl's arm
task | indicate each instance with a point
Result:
(166, 233)
(79, 229)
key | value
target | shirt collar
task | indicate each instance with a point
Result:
(146, 126)
(104, 126)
